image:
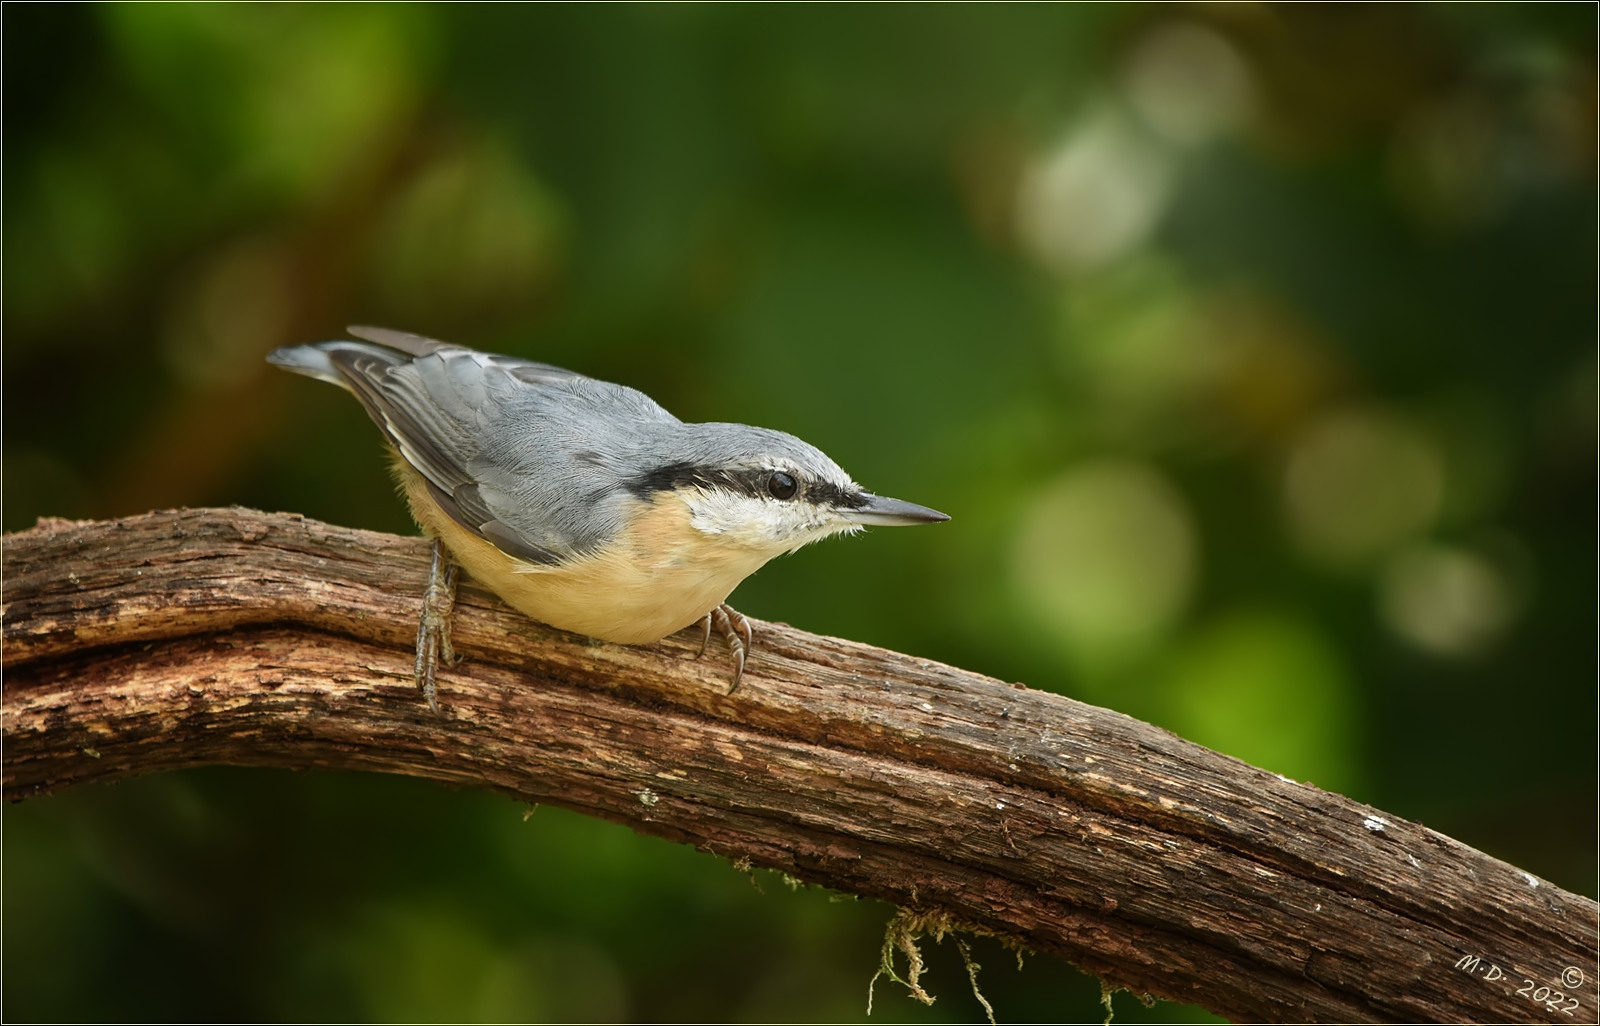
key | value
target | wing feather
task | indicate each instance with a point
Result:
(507, 446)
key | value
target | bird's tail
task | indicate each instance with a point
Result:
(316, 360)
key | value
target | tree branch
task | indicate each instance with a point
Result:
(202, 637)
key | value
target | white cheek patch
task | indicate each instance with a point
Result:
(714, 511)
(759, 523)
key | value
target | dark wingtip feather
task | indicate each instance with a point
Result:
(404, 341)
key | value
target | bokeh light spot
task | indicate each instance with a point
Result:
(1187, 82)
(1095, 196)
(1359, 483)
(1106, 560)
(1446, 601)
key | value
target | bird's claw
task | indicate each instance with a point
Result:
(433, 627)
(735, 629)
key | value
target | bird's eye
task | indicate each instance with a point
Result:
(781, 485)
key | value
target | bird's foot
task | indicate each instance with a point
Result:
(735, 630)
(433, 628)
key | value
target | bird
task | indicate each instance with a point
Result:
(581, 503)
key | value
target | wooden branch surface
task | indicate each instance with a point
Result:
(235, 637)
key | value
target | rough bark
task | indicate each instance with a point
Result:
(235, 637)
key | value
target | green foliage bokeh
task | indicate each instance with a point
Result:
(1251, 348)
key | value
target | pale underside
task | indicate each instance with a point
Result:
(661, 573)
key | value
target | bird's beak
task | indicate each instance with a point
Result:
(885, 512)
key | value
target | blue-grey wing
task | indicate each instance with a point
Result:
(508, 447)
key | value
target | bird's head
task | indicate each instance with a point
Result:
(768, 492)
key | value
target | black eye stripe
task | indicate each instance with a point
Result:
(824, 493)
(688, 475)
(756, 483)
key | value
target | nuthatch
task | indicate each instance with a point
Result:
(584, 504)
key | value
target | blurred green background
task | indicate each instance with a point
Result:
(1251, 347)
